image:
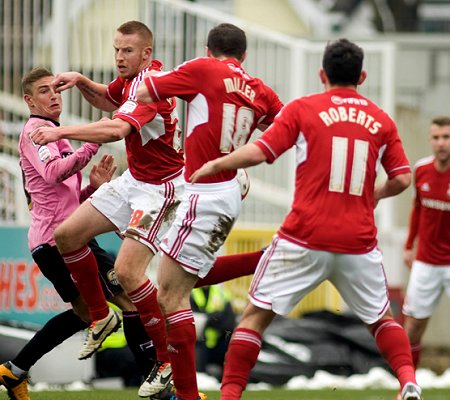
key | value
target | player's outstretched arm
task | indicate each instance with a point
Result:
(93, 92)
(246, 156)
(104, 131)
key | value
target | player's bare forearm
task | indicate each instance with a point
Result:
(247, 156)
(393, 187)
(103, 131)
(93, 92)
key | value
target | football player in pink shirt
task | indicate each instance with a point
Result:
(52, 183)
(429, 227)
(225, 105)
(341, 138)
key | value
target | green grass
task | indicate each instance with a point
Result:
(279, 394)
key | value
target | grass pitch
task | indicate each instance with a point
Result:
(278, 394)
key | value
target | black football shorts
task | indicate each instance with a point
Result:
(52, 266)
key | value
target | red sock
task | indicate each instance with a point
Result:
(393, 344)
(144, 298)
(241, 357)
(181, 340)
(82, 264)
(416, 350)
(230, 267)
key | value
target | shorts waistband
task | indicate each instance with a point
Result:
(211, 187)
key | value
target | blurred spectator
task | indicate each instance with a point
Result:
(214, 321)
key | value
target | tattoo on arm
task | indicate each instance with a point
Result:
(89, 91)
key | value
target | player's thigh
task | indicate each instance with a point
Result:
(202, 223)
(361, 281)
(112, 201)
(83, 224)
(286, 273)
(153, 210)
(425, 285)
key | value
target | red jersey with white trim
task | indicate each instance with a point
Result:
(430, 215)
(154, 146)
(341, 138)
(225, 106)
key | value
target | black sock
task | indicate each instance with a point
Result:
(53, 333)
(139, 342)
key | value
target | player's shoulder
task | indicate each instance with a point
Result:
(35, 122)
(424, 163)
(198, 63)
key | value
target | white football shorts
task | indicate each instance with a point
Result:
(140, 210)
(287, 272)
(203, 221)
(426, 284)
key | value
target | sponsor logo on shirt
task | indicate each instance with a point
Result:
(348, 100)
(425, 187)
(128, 107)
(44, 154)
(436, 204)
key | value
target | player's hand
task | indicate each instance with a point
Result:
(44, 135)
(65, 81)
(103, 171)
(206, 169)
(408, 258)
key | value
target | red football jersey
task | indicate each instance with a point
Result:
(225, 106)
(341, 138)
(154, 146)
(430, 215)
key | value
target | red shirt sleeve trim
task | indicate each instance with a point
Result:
(267, 150)
(404, 169)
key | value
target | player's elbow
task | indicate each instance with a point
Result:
(402, 181)
(119, 130)
(52, 173)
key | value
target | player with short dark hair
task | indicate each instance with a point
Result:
(52, 183)
(330, 233)
(225, 105)
(429, 228)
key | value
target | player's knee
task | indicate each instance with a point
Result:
(67, 240)
(122, 274)
(61, 238)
